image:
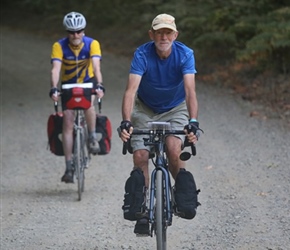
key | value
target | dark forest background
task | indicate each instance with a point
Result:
(238, 44)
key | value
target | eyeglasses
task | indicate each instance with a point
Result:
(74, 32)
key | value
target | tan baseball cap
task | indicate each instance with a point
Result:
(164, 21)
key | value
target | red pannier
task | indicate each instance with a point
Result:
(54, 133)
(104, 127)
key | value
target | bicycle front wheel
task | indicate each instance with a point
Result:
(159, 213)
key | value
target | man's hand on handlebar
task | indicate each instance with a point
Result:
(191, 130)
(125, 130)
(54, 93)
(100, 90)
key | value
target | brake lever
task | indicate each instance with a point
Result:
(184, 156)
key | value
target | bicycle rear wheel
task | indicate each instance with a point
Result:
(160, 229)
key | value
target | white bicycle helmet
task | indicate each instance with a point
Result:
(74, 21)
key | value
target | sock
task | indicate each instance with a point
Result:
(68, 165)
(92, 134)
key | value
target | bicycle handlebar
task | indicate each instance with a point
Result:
(157, 131)
(184, 156)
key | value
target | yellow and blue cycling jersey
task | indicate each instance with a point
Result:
(76, 63)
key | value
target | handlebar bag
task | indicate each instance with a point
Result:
(77, 95)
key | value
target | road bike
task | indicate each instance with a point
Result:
(161, 195)
(78, 96)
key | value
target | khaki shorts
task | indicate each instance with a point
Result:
(141, 115)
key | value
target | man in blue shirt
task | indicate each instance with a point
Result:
(161, 87)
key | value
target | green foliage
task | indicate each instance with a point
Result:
(270, 44)
(257, 31)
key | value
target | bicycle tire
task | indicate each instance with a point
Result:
(160, 230)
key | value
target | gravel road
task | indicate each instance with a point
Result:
(242, 168)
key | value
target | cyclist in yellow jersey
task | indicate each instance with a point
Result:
(76, 59)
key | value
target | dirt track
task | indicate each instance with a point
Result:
(242, 169)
